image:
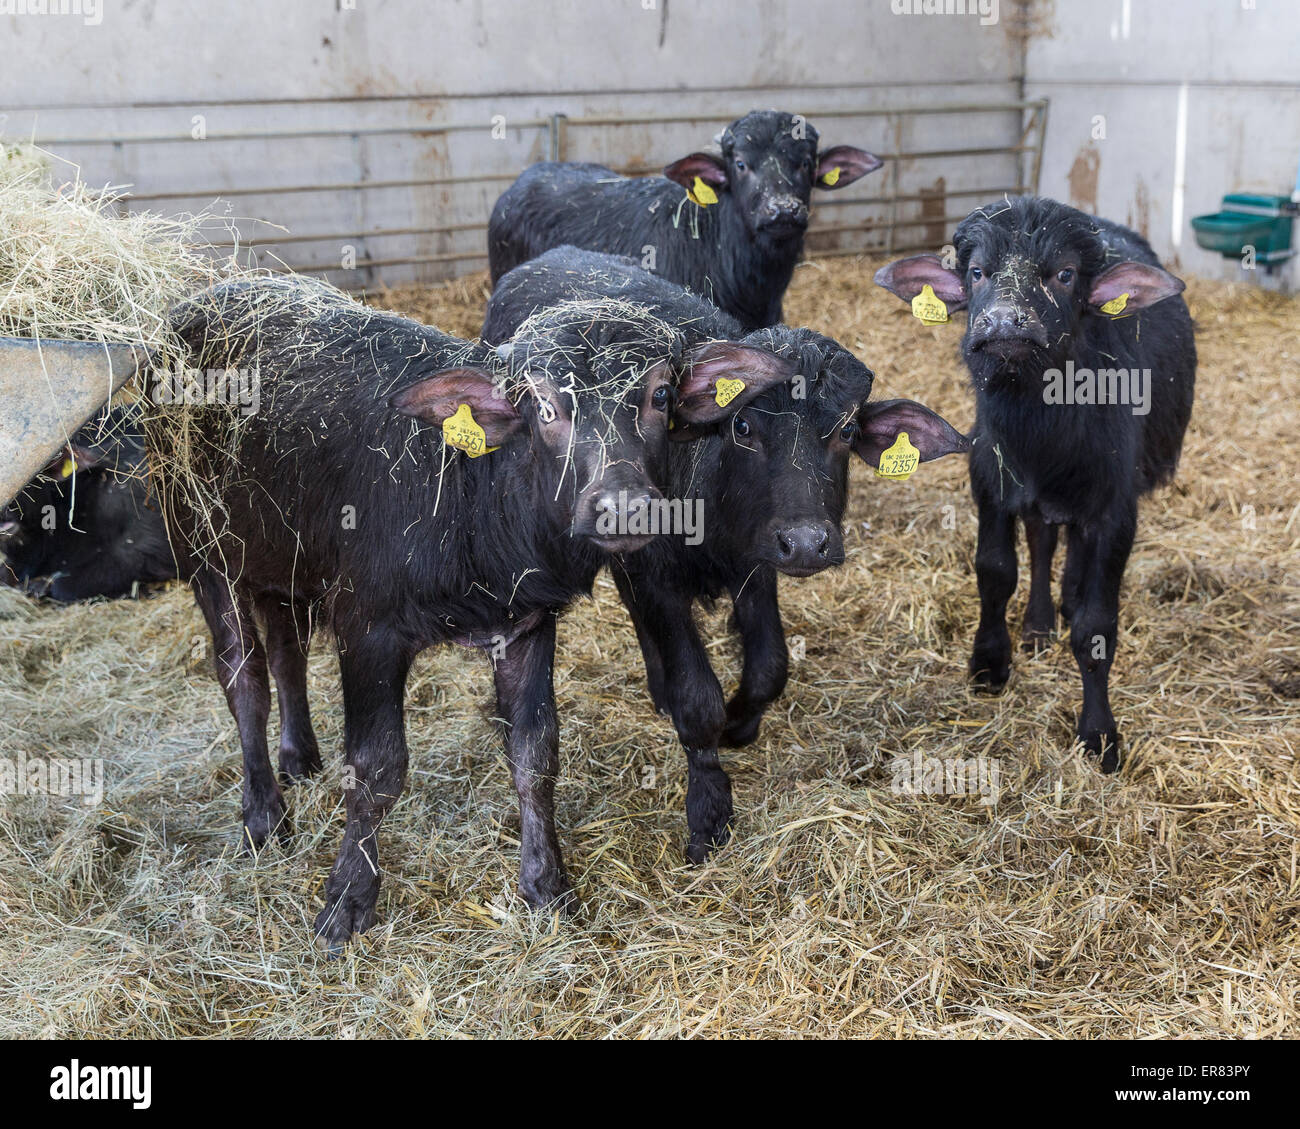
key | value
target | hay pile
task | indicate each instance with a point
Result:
(73, 266)
(1160, 902)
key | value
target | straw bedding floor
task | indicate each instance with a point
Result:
(1162, 901)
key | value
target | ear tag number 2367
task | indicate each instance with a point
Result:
(461, 430)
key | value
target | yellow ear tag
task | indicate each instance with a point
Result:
(899, 461)
(702, 194)
(1115, 305)
(460, 430)
(728, 390)
(66, 471)
(929, 307)
(832, 178)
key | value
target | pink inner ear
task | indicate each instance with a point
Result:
(83, 458)
(707, 168)
(931, 434)
(1144, 284)
(852, 162)
(714, 360)
(436, 397)
(906, 277)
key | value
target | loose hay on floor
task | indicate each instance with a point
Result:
(1160, 902)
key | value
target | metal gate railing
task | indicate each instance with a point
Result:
(562, 136)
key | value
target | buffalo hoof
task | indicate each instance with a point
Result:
(741, 731)
(341, 919)
(1036, 640)
(264, 819)
(989, 674)
(298, 764)
(550, 890)
(702, 845)
(1102, 744)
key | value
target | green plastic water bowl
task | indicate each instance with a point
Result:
(1247, 220)
(1228, 232)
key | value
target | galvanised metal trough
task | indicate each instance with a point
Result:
(48, 389)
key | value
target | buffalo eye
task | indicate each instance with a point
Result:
(976, 274)
(740, 427)
(1066, 276)
(740, 165)
(849, 432)
(662, 398)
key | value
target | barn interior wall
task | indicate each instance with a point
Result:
(168, 70)
(1231, 64)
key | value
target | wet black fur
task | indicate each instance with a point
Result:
(719, 251)
(445, 548)
(1078, 466)
(792, 468)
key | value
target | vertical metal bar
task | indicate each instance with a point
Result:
(123, 201)
(1041, 114)
(358, 210)
(557, 138)
(1040, 120)
(897, 121)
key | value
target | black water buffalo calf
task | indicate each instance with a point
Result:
(771, 486)
(739, 250)
(1083, 361)
(345, 505)
(85, 527)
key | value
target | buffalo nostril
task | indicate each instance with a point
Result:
(806, 546)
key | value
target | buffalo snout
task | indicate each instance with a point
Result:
(1006, 327)
(783, 214)
(618, 516)
(803, 548)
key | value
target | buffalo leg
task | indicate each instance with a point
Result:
(526, 703)
(288, 636)
(654, 661)
(695, 702)
(1040, 614)
(1103, 551)
(241, 670)
(995, 575)
(766, 658)
(1070, 581)
(373, 665)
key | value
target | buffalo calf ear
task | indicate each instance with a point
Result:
(927, 431)
(440, 396)
(74, 457)
(1132, 286)
(906, 278)
(707, 167)
(843, 164)
(718, 378)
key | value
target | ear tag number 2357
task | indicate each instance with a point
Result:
(899, 461)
